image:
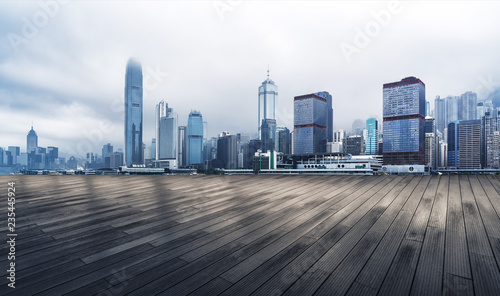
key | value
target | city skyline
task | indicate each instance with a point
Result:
(87, 104)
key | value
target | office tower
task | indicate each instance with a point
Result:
(427, 108)
(181, 149)
(268, 96)
(205, 131)
(152, 153)
(116, 160)
(268, 134)
(429, 125)
(133, 113)
(166, 132)
(227, 152)
(493, 150)
(15, 152)
(283, 140)
(440, 114)
(404, 106)
(480, 110)
(107, 150)
(52, 156)
(194, 144)
(464, 144)
(451, 109)
(31, 140)
(430, 149)
(357, 127)
(353, 145)
(468, 106)
(443, 154)
(469, 143)
(310, 124)
(338, 135)
(453, 156)
(329, 106)
(249, 152)
(371, 139)
(210, 153)
(489, 125)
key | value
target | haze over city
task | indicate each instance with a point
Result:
(62, 65)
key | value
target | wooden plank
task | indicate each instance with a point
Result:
(456, 260)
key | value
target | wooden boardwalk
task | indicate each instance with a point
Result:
(259, 235)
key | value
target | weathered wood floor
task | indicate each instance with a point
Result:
(260, 235)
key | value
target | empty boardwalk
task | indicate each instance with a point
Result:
(259, 235)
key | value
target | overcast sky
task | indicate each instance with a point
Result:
(62, 66)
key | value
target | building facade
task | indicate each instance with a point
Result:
(227, 151)
(268, 134)
(31, 140)
(166, 132)
(133, 113)
(194, 144)
(329, 106)
(404, 108)
(310, 124)
(268, 96)
(371, 140)
(181, 149)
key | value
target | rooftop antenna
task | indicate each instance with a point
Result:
(267, 71)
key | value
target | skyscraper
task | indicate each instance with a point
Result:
(464, 144)
(310, 124)
(283, 141)
(468, 106)
(194, 145)
(372, 136)
(227, 152)
(329, 106)
(440, 114)
(31, 140)
(133, 113)
(182, 146)
(166, 132)
(404, 107)
(268, 95)
(268, 135)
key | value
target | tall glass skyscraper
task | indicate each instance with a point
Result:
(194, 144)
(371, 136)
(310, 124)
(404, 109)
(329, 106)
(31, 140)
(268, 95)
(133, 113)
(166, 132)
(440, 114)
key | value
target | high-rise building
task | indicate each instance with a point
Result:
(357, 127)
(468, 106)
(227, 152)
(15, 151)
(338, 135)
(371, 139)
(469, 143)
(464, 144)
(353, 145)
(194, 144)
(31, 140)
(430, 149)
(133, 113)
(116, 160)
(489, 125)
(107, 150)
(404, 107)
(310, 124)
(329, 106)
(268, 96)
(166, 132)
(268, 134)
(480, 110)
(427, 108)
(453, 156)
(493, 150)
(452, 107)
(283, 140)
(181, 141)
(440, 114)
